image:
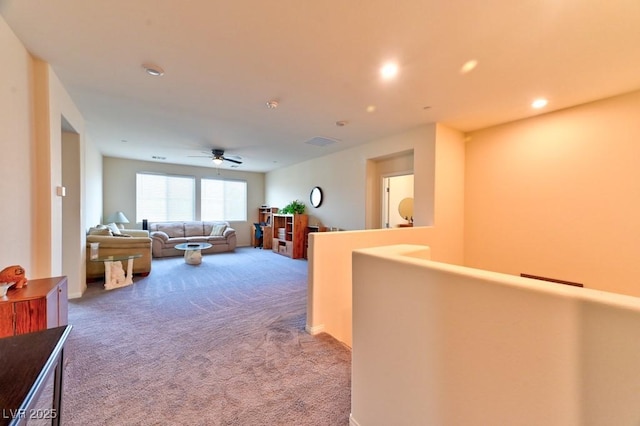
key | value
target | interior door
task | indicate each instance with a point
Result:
(394, 190)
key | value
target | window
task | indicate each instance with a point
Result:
(223, 200)
(164, 198)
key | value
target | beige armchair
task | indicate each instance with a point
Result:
(137, 242)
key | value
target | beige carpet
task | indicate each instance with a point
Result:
(222, 343)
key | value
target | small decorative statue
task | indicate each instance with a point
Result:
(13, 274)
(117, 274)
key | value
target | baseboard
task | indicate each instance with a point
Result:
(315, 329)
(74, 295)
(352, 421)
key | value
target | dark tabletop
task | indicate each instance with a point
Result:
(26, 360)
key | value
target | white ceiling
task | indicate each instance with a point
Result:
(224, 60)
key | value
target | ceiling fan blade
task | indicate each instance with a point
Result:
(233, 161)
(219, 154)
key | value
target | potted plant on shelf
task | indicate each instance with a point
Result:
(294, 207)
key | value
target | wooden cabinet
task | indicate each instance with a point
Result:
(308, 230)
(288, 234)
(39, 305)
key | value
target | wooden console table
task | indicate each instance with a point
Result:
(28, 361)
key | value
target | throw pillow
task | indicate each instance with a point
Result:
(114, 228)
(218, 230)
(100, 231)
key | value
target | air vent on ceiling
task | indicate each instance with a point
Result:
(321, 141)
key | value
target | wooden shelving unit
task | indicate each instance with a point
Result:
(265, 215)
(289, 234)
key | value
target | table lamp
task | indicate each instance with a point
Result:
(118, 218)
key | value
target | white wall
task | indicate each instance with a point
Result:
(347, 185)
(449, 193)
(73, 234)
(558, 195)
(439, 182)
(17, 139)
(32, 107)
(329, 302)
(33, 104)
(449, 345)
(53, 106)
(120, 189)
(93, 184)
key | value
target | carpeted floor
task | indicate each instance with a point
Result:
(222, 343)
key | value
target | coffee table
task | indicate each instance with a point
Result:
(114, 275)
(192, 252)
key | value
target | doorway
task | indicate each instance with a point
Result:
(71, 221)
(377, 169)
(397, 201)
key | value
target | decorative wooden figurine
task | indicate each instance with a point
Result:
(13, 274)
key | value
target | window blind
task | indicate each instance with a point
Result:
(223, 200)
(164, 197)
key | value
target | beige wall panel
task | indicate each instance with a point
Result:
(558, 195)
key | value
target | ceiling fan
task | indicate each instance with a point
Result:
(217, 156)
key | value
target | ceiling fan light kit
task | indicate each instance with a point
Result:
(217, 157)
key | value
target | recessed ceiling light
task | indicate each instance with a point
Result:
(468, 66)
(153, 70)
(539, 103)
(371, 108)
(272, 104)
(389, 70)
(342, 123)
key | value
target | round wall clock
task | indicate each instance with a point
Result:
(316, 196)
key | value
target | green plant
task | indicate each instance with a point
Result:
(294, 207)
